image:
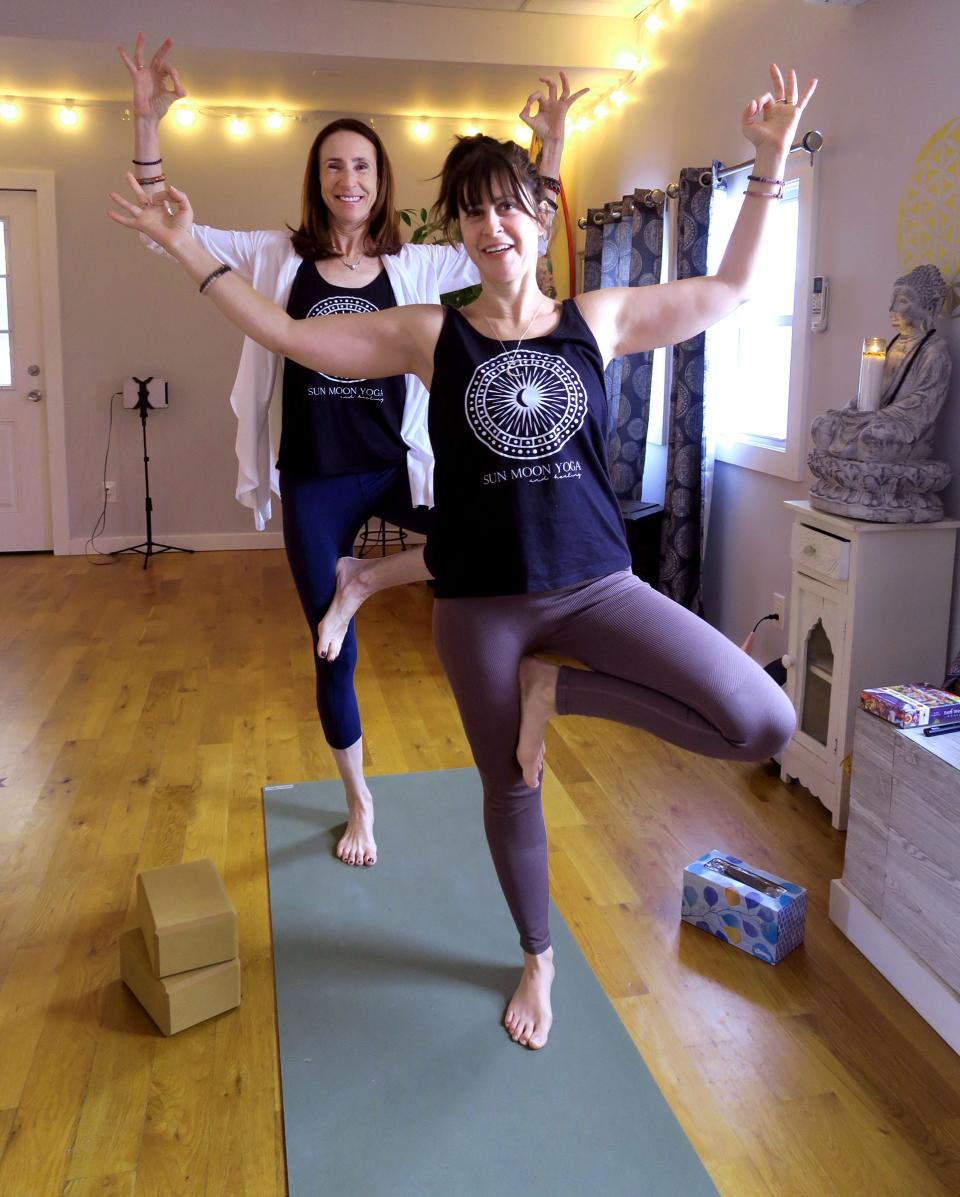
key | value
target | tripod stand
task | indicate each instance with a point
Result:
(149, 547)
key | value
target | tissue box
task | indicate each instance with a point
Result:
(175, 1003)
(754, 910)
(187, 918)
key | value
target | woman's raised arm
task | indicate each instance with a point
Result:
(151, 101)
(632, 320)
(397, 340)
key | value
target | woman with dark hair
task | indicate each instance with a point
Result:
(528, 549)
(346, 435)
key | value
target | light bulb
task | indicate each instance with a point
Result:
(653, 23)
(274, 120)
(421, 130)
(471, 130)
(618, 97)
(679, 5)
(583, 123)
(185, 117)
(69, 117)
(601, 111)
(238, 127)
(521, 134)
(626, 60)
(8, 110)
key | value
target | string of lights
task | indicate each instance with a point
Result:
(240, 122)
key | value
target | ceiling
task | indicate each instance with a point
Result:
(456, 58)
(565, 8)
(290, 82)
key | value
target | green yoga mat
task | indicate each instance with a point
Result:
(398, 1080)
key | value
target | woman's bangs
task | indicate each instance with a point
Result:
(486, 181)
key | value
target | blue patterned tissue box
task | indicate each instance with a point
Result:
(752, 909)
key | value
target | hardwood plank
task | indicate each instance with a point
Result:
(142, 713)
(114, 1108)
(117, 1184)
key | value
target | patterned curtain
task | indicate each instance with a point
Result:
(687, 489)
(624, 248)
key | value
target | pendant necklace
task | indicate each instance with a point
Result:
(349, 265)
(512, 353)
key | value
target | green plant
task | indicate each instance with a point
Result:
(429, 232)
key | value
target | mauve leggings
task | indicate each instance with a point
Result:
(650, 664)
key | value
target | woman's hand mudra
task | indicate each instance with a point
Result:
(166, 217)
(151, 96)
(770, 121)
(550, 119)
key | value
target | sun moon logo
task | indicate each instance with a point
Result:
(526, 404)
(338, 305)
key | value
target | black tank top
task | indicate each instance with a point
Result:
(338, 425)
(523, 499)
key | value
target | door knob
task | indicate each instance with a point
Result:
(33, 371)
(35, 396)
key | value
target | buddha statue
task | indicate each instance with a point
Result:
(878, 465)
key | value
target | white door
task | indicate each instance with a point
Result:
(24, 468)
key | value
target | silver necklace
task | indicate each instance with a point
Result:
(511, 354)
(349, 265)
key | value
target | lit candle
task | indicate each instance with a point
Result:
(871, 373)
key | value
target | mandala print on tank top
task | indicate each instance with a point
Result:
(525, 404)
(341, 305)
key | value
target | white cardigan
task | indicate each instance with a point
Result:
(418, 274)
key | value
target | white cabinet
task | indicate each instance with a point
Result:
(869, 606)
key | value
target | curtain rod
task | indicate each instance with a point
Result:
(810, 143)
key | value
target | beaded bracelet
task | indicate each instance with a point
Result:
(152, 179)
(212, 277)
(775, 195)
(778, 183)
(550, 203)
(551, 184)
(154, 162)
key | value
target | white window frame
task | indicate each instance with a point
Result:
(788, 460)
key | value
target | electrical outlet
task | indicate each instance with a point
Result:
(110, 490)
(779, 607)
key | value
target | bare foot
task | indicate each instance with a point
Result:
(347, 598)
(538, 703)
(529, 1016)
(357, 845)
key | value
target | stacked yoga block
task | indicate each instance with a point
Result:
(181, 961)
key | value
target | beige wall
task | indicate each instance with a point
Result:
(127, 312)
(888, 74)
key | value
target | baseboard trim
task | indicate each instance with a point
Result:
(929, 995)
(200, 542)
(206, 542)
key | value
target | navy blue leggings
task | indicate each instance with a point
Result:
(321, 518)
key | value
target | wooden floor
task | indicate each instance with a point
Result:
(142, 713)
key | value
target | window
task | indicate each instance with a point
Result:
(6, 372)
(756, 359)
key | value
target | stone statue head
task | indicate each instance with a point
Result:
(917, 298)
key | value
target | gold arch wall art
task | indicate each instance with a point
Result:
(929, 225)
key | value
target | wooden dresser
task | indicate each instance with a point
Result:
(899, 899)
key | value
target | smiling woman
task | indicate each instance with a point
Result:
(354, 443)
(528, 549)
